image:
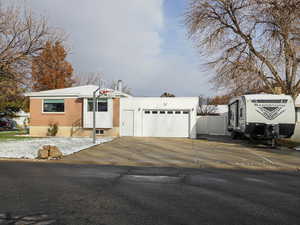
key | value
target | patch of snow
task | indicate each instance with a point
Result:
(29, 148)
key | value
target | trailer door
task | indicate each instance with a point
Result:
(237, 110)
(233, 120)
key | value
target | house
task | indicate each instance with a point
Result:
(117, 115)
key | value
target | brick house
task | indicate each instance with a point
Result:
(119, 115)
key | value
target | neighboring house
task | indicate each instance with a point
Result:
(22, 119)
(120, 115)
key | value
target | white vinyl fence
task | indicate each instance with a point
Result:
(212, 125)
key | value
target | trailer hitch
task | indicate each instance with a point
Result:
(272, 132)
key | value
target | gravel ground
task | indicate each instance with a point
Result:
(29, 148)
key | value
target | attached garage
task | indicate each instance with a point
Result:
(159, 117)
(166, 123)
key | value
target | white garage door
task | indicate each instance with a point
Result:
(166, 123)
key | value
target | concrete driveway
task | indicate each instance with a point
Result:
(172, 152)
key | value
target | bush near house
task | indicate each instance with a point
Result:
(52, 130)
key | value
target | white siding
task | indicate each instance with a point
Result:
(103, 119)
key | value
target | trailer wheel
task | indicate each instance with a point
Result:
(234, 135)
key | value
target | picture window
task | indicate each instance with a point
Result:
(54, 105)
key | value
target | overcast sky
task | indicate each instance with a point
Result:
(142, 42)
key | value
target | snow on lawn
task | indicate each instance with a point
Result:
(29, 148)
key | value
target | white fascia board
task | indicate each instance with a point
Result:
(50, 95)
(113, 96)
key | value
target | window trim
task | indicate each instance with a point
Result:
(43, 102)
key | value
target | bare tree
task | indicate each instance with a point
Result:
(206, 106)
(125, 88)
(96, 78)
(166, 94)
(22, 36)
(254, 43)
(90, 78)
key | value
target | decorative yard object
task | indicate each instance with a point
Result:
(49, 152)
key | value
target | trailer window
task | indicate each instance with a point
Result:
(269, 101)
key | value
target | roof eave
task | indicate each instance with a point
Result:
(50, 95)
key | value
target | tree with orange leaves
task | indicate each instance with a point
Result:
(50, 70)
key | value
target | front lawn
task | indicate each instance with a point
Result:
(26, 147)
(12, 136)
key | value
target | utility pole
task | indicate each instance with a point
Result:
(94, 114)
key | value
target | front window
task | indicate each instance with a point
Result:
(54, 105)
(101, 104)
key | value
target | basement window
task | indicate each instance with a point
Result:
(185, 112)
(162, 112)
(170, 112)
(54, 105)
(177, 112)
(154, 112)
(147, 112)
(99, 131)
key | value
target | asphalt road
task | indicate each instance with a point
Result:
(50, 193)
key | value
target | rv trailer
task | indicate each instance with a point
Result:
(262, 116)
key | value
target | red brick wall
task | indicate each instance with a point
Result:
(116, 110)
(73, 113)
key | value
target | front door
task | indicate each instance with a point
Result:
(128, 123)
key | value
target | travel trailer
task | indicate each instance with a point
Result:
(262, 116)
